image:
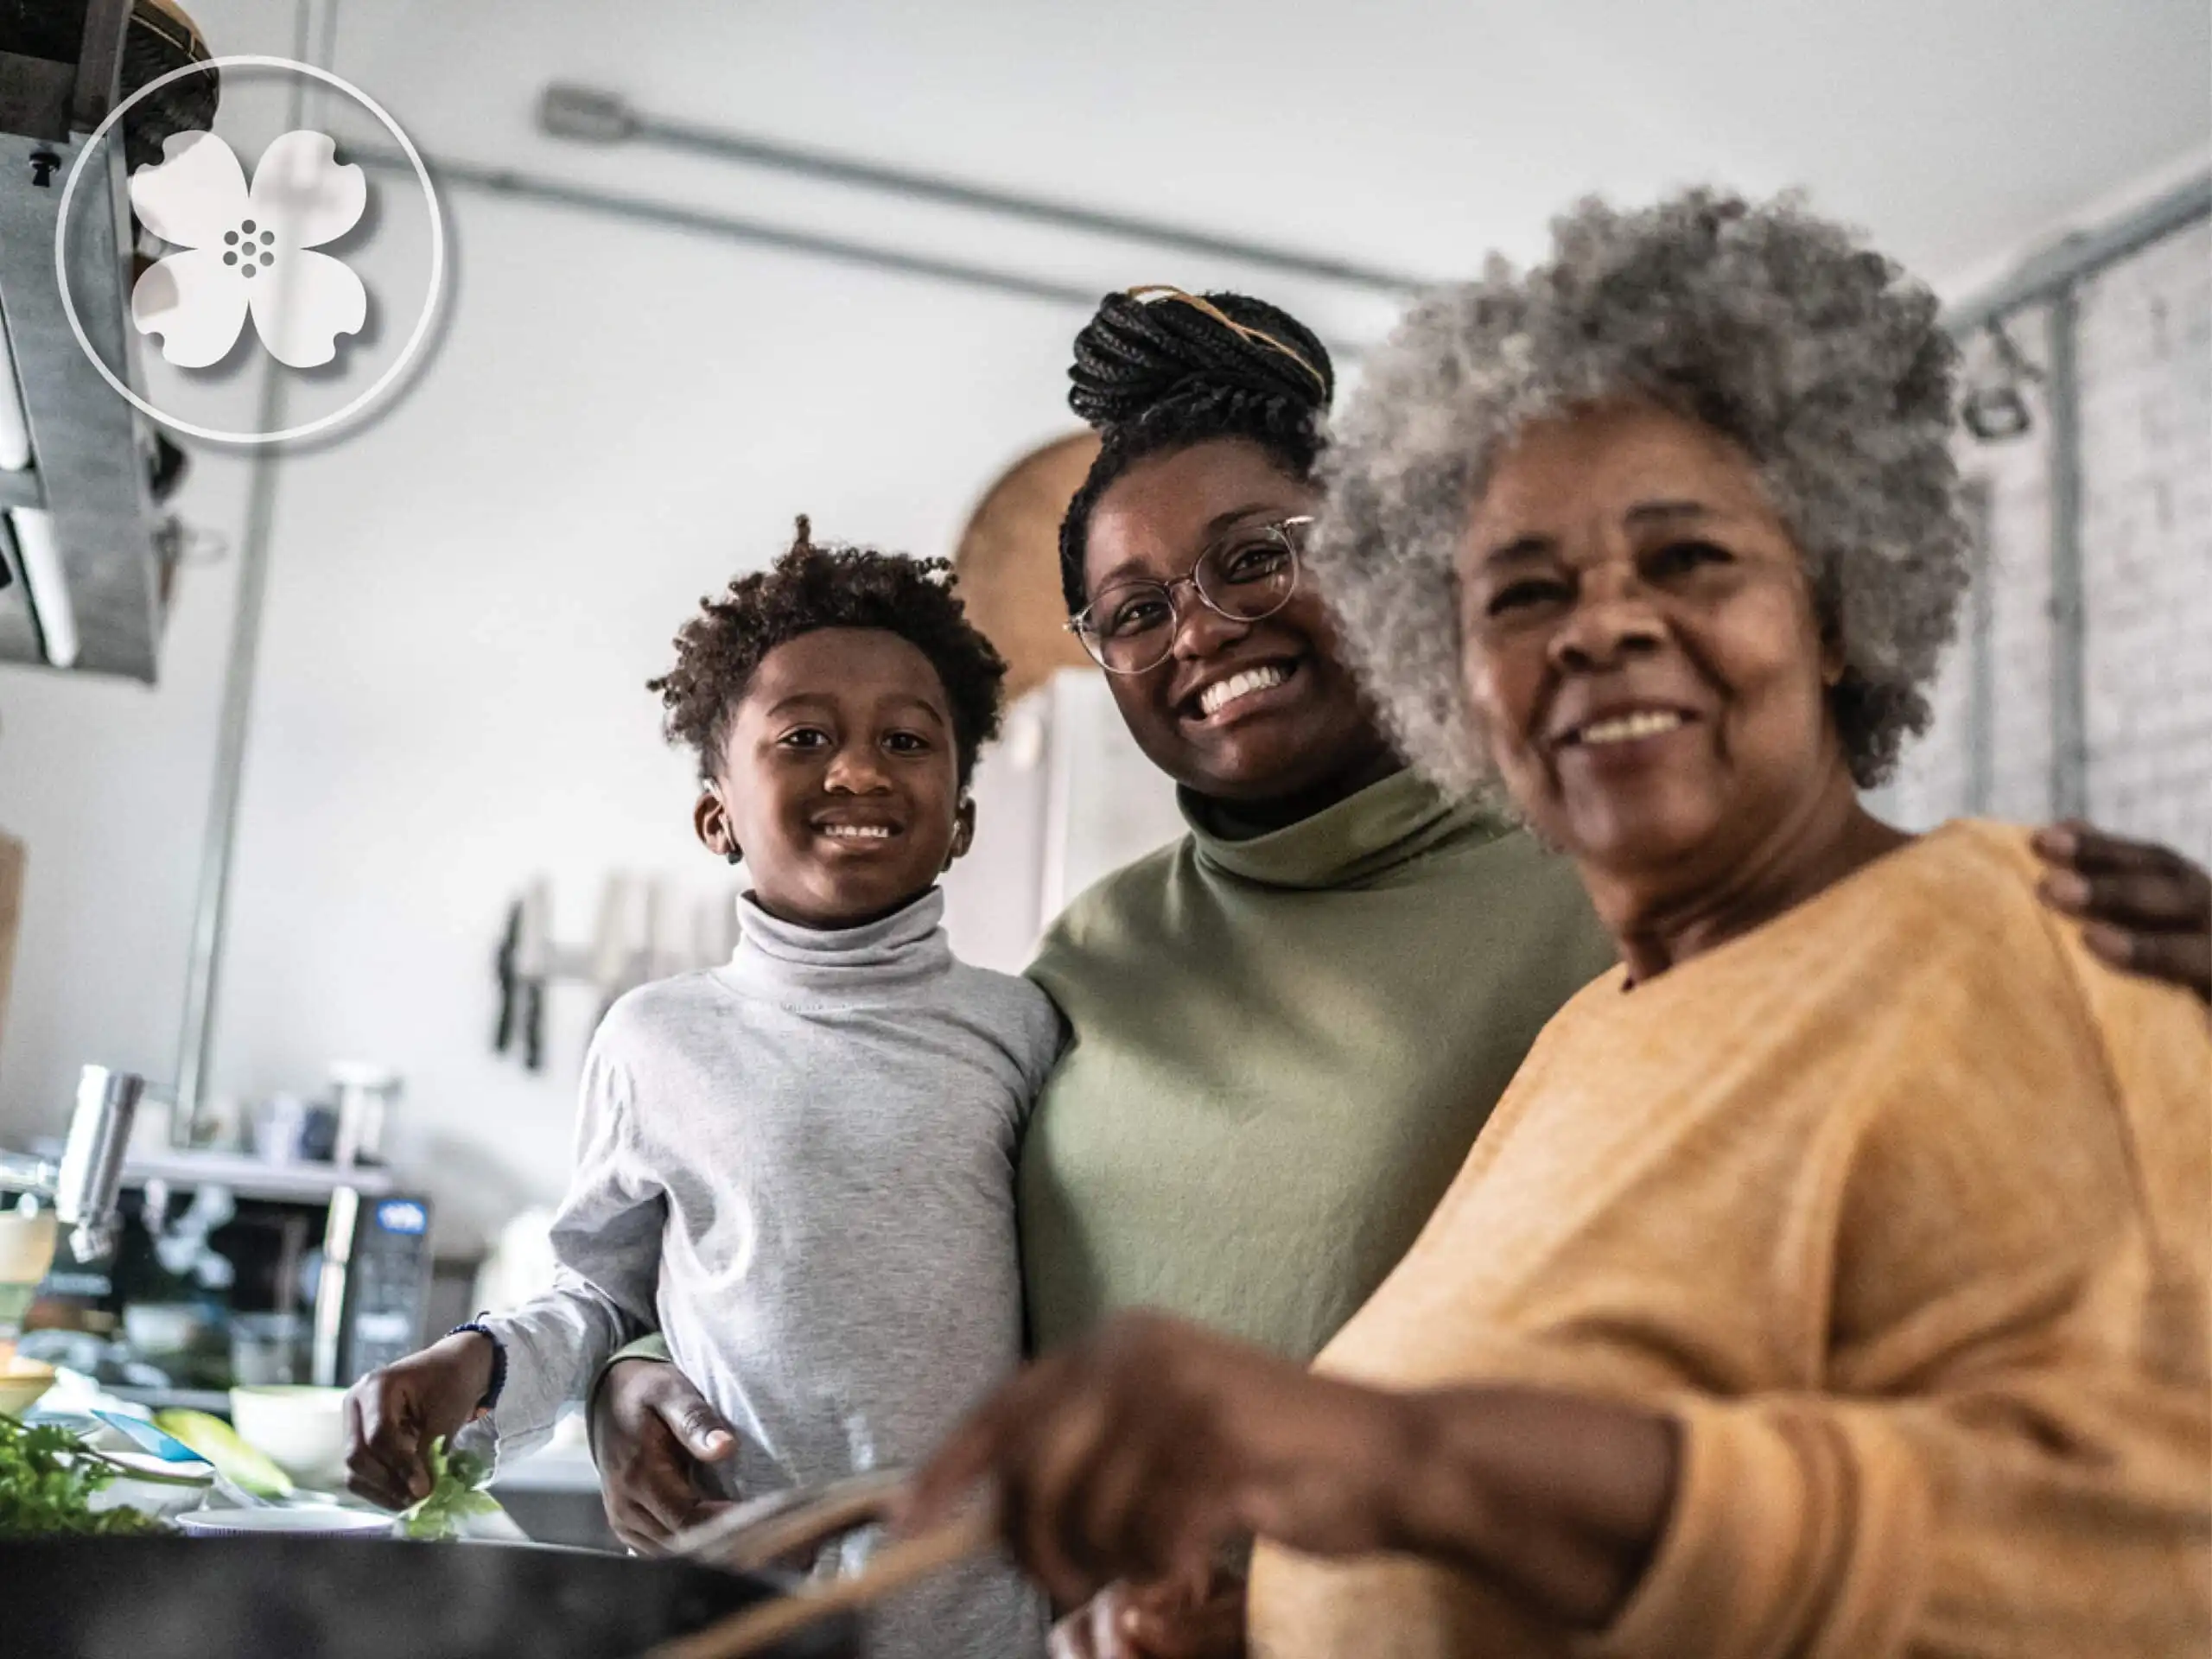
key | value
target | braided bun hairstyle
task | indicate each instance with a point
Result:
(1159, 373)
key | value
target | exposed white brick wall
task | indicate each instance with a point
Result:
(2016, 566)
(2146, 465)
(2004, 771)
(2144, 353)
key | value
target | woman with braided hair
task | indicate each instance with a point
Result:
(1307, 946)
(1209, 412)
(1288, 1027)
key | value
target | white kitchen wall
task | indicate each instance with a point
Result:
(467, 593)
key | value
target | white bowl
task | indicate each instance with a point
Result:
(320, 1521)
(184, 1485)
(302, 1429)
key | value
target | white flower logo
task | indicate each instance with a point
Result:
(249, 250)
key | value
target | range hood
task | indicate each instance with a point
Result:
(85, 550)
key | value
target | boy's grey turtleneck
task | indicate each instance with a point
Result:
(801, 1166)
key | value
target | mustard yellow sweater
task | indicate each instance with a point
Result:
(1902, 1206)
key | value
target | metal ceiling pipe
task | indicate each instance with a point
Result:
(2069, 674)
(756, 232)
(2058, 268)
(586, 115)
(559, 193)
(217, 846)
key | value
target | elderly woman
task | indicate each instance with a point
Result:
(1833, 1279)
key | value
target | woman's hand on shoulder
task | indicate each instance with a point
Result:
(1140, 1452)
(2145, 908)
(652, 1432)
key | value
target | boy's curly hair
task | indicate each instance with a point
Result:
(812, 587)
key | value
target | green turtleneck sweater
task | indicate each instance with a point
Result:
(1284, 1046)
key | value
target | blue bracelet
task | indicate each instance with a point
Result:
(498, 1359)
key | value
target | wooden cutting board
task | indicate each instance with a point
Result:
(1008, 561)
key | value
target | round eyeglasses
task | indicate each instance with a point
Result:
(1250, 573)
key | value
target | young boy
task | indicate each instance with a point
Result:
(799, 1164)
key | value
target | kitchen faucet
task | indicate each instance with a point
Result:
(84, 1185)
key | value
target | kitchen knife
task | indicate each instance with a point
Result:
(143, 1435)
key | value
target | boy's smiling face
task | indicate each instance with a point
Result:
(840, 779)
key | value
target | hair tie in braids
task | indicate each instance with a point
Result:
(1149, 291)
(1155, 345)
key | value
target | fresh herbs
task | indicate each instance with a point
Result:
(48, 1477)
(456, 1492)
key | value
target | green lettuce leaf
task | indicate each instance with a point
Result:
(456, 1492)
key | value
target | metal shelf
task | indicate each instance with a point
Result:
(251, 1177)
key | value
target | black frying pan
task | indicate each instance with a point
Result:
(295, 1597)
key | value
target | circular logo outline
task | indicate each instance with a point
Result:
(384, 382)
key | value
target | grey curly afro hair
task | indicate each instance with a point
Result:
(1819, 356)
